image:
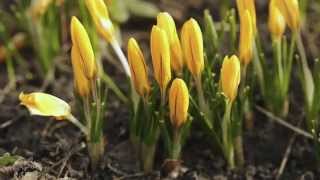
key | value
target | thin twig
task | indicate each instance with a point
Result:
(7, 89)
(10, 122)
(284, 123)
(132, 176)
(286, 155)
(116, 171)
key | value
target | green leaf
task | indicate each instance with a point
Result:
(7, 159)
(142, 8)
(119, 11)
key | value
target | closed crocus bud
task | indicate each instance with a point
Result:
(178, 102)
(166, 22)
(43, 104)
(138, 68)
(277, 23)
(192, 45)
(160, 53)
(249, 5)
(230, 77)
(246, 38)
(81, 83)
(81, 42)
(291, 13)
(99, 13)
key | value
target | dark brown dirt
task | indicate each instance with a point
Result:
(60, 148)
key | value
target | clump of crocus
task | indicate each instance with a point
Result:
(277, 93)
(230, 80)
(88, 87)
(149, 121)
(192, 45)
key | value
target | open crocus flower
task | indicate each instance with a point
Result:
(43, 104)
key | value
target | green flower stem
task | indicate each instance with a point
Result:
(258, 68)
(77, 123)
(277, 44)
(227, 136)
(176, 145)
(202, 103)
(238, 147)
(111, 84)
(148, 153)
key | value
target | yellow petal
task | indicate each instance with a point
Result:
(178, 102)
(276, 23)
(249, 5)
(81, 83)
(166, 22)
(192, 45)
(43, 104)
(246, 38)
(99, 13)
(138, 68)
(230, 77)
(81, 41)
(291, 12)
(160, 53)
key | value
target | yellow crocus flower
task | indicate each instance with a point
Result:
(160, 53)
(81, 42)
(178, 102)
(166, 22)
(39, 7)
(81, 83)
(43, 104)
(99, 13)
(249, 5)
(246, 38)
(192, 45)
(230, 77)
(276, 23)
(138, 68)
(291, 13)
